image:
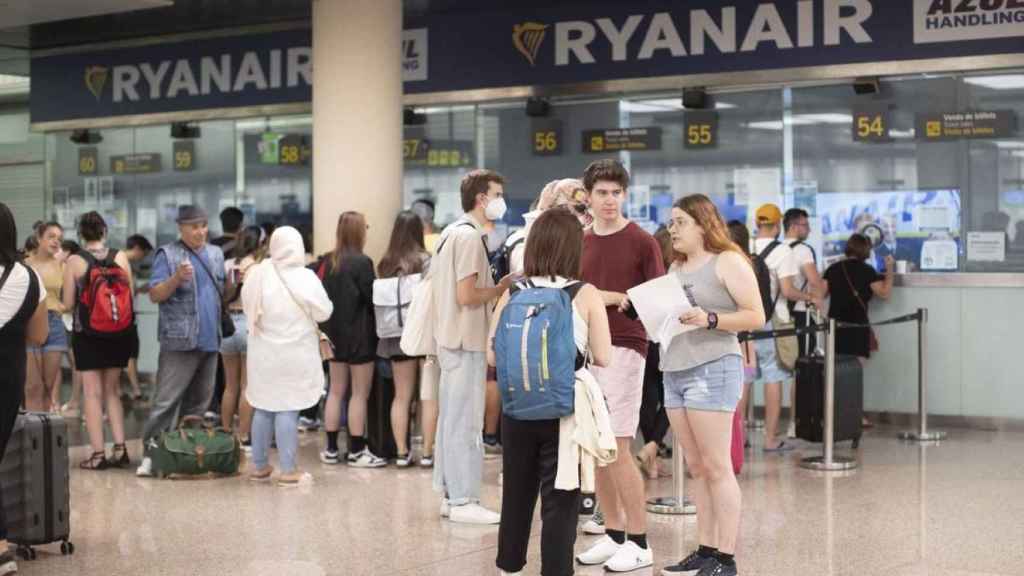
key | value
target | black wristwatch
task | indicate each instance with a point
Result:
(712, 320)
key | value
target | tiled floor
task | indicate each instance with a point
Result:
(955, 509)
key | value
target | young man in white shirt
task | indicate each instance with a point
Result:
(464, 295)
(797, 228)
(778, 256)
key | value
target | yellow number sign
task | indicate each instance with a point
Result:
(697, 134)
(545, 141)
(868, 126)
(87, 165)
(289, 154)
(182, 159)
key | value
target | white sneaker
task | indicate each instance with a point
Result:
(503, 573)
(446, 508)
(365, 459)
(630, 557)
(599, 553)
(145, 470)
(328, 457)
(473, 514)
(595, 525)
(791, 431)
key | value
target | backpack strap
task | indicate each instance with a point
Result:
(509, 247)
(769, 249)
(7, 274)
(445, 240)
(573, 288)
(814, 254)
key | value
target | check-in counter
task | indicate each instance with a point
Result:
(972, 346)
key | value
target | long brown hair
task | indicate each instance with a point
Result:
(664, 238)
(555, 246)
(406, 247)
(716, 236)
(351, 237)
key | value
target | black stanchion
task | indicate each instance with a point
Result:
(922, 434)
(677, 503)
(828, 461)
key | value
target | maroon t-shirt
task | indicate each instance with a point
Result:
(616, 263)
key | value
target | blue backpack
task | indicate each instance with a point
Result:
(536, 352)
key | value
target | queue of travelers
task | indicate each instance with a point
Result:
(229, 308)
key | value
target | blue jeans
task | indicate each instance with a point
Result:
(282, 426)
(458, 451)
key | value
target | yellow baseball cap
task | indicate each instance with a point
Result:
(769, 214)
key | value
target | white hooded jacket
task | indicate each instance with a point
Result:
(283, 360)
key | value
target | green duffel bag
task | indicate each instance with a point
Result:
(190, 451)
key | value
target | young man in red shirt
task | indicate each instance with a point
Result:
(617, 256)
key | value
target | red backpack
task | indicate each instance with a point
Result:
(105, 306)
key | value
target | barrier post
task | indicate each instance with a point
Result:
(677, 504)
(748, 419)
(752, 423)
(829, 462)
(922, 434)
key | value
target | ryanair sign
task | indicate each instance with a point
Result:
(562, 43)
(641, 37)
(568, 43)
(223, 74)
(252, 70)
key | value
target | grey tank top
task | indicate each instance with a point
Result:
(697, 347)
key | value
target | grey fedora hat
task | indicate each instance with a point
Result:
(190, 214)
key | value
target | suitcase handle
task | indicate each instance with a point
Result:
(192, 420)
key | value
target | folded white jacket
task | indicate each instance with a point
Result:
(585, 438)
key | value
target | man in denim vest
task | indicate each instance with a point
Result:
(188, 276)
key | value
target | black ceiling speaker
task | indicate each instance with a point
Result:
(865, 86)
(184, 130)
(86, 137)
(411, 117)
(695, 99)
(537, 107)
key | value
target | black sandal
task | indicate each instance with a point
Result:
(122, 460)
(98, 461)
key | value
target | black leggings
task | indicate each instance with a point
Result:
(10, 400)
(653, 419)
(530, 461)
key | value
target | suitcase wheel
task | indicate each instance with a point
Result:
(67, 548)
(26, 553)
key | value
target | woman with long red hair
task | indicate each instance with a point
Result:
(704, 373)
(348, 280)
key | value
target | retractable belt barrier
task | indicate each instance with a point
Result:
(823, 327)
(827, 462)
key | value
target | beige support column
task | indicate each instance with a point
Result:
(357, 117)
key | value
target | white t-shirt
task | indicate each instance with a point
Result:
(802, 254)
(781, 265)
(517, 258)
(12, 296)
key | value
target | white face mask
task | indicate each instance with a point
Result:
(495, 209)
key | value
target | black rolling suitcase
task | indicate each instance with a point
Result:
(34, 480)
(378, 412)
(810, 399)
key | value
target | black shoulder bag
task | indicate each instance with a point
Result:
(227, 325)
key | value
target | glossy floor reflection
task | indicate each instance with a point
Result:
(954, 509)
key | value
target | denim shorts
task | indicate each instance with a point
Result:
(238, 343)
(768, 368)
(57, 340)
(715, 386)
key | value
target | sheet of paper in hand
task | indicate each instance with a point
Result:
(660, 303)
